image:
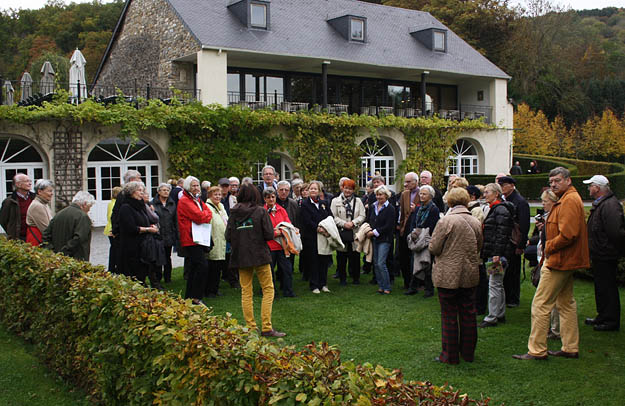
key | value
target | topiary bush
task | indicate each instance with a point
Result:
(129, 345)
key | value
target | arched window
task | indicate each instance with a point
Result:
(463, 159)
(109, 160)
(377, 158)
(18, 156)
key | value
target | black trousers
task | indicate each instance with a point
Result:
(351, 257)
(137, 269)
(512, 280)
(481, 297)
(215, 269)
(284, 271)
(305, 263)
(405, 260)
(607, 297)
(318, 269)
(113, 254)
(196, 265)
(166, 270)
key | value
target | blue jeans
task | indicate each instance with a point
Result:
(380, 252)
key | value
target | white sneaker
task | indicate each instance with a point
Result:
(325, 289)
(316, 291)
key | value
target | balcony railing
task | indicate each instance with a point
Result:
(17, 92)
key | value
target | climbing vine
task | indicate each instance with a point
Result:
(212, 141)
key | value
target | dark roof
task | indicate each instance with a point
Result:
(300, 28)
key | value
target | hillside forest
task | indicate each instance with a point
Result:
(566, 65)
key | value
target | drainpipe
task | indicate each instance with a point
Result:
(423, 104)
(324, 83)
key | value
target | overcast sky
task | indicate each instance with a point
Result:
(576, 4)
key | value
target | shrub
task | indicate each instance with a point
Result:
(531, 186)
(128, 345)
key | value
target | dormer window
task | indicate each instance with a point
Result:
(439, 41)
(434, 39)
(252, 13)
(352, 28)
(258, 15)
(357, 29)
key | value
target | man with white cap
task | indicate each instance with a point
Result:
(606, 237)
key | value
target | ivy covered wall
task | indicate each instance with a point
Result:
(210, 141)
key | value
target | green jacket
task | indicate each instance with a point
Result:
(69, 233)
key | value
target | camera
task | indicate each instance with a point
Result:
(539, 218)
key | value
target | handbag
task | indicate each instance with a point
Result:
(347, 236)
(536, 275)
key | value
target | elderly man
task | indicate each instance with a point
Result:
(566, 251)
(408, 202)
(606, 236)
(512, 277)
(69, 232)
(14, 207)
(269, 179)
(425, 178)
(234, 186)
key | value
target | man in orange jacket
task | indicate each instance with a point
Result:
(566, 250)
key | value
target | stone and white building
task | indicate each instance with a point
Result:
(342, 55)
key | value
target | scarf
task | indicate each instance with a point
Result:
(314, 200)
(495, 203)
(348, 203)
(423, 213)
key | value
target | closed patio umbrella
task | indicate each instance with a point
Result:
(8, 87)
(27, 86)
(77, 75)
(46, 85)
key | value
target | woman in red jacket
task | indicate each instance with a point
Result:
(191, 209)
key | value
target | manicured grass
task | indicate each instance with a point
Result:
(399, 331)
(25, 381)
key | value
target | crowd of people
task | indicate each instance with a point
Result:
(465, 244)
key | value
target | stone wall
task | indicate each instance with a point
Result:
(150, 38)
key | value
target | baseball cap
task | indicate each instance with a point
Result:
(223, 181)
(598, 180)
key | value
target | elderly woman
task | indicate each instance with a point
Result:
(217, 256)
(313, 211)
(548, 199)
(277, 215)
(248, 230)
(134, 225)
(427, 216)
(382, 219)
(456, 244)
(349, 214)
(498, 226)
(39, 214)
(191, 209)
(165, 208)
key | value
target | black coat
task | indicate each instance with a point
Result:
(248, 230)
(384, 222)
(167, 220)
(605, 228)
(430, 222)
(132, 215)
(438, 199)
(522, 215)
(309, 218)
(498, 227)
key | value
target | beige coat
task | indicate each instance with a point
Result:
(456, 243)
(363, 244)
(340, 216)
(39, 214)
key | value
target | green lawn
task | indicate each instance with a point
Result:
(396, 331)
(399, 331)
(25, 381)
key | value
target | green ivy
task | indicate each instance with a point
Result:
(212, 141)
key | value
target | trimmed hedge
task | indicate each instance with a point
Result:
(128, 345)
(531, 186)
